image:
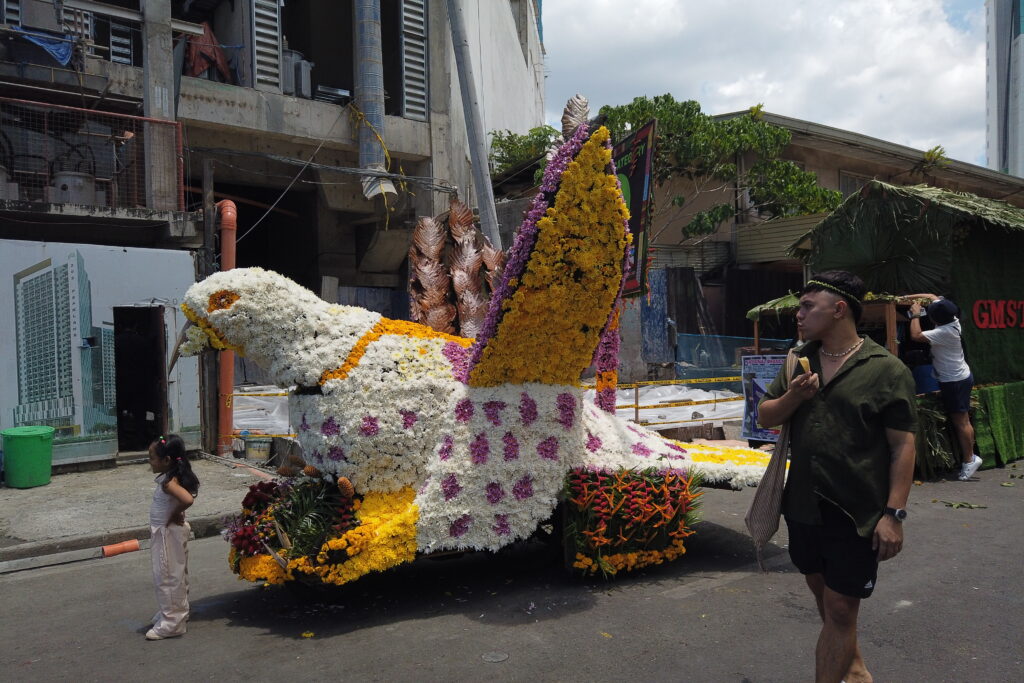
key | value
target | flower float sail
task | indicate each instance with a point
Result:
(417, 441)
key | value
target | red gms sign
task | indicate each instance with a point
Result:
(998, 314)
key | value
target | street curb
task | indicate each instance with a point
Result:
(202, 527)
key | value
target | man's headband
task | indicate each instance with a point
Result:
(833, 288)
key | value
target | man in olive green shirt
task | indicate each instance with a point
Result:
(852, 423)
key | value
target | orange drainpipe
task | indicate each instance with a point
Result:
(228, 213)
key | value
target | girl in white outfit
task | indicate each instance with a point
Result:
(176, 489)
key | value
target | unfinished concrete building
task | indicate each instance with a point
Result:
(330, 125)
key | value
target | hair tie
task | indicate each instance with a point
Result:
(835, 289)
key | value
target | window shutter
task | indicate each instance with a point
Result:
(414, 59)
(12, 11)
(266, 44)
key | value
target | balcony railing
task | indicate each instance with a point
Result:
(57, 154)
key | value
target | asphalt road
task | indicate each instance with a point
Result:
(948, 609)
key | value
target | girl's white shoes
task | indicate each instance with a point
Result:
(151, 634)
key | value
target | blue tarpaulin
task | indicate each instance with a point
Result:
(59, 47)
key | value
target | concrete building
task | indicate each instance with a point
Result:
(331, 125)
(1004, 76)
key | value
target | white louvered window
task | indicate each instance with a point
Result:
(266, 44)
(121, 46)
(12, 11)
(414, 59)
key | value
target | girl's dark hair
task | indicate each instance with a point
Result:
(173, 446)
(843, 284)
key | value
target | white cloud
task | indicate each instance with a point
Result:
(906, 71)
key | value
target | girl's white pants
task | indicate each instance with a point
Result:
(169, 548)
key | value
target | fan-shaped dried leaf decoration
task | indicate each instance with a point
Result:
(429, 282)
(415, 289)
(441, 319)
(494, 261)
(577, 111)
(429, 238)
(460, 220)
(466, 267)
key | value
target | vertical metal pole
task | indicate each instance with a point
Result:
(474, 125)
(208, 360)
(636, 404)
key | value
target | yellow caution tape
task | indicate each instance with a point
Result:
(282, 393)
(667, 382)
(678, 404)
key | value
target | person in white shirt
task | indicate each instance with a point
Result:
(951, 369)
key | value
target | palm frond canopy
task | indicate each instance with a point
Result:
(902, 239)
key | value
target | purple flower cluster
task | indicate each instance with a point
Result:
(464, 410)
(408, 418)
(606, 400)
(336, 453)
(606, 355)
(492, 410)
(593, 443)
(479, 449)
(450, 486)
(330, 427)
(523, 488)
(641, 450)
(370, 426)
(527, 409)
(460, 526)
(458, 356)
(548, 448)
(495, 494)
(511, 448)
(566, 409)
(445, 451)
(526, 238)
(501, 526)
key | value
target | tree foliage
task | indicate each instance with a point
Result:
(714, 156)
(509, 149)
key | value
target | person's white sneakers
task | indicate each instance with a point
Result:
(968, 469)
(151, 634)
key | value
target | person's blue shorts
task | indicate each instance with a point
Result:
(956, 396)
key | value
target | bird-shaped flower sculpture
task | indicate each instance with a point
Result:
(474, 437)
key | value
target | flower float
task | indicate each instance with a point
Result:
(417, 441)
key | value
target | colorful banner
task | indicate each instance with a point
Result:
(634, 158)
(758, 373)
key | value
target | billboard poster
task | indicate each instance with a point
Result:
(61, 366)
(634, 159)
(758, 372)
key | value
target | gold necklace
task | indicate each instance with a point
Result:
(841, 353)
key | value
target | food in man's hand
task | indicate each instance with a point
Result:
(805, 363)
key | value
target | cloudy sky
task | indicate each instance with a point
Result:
(906, 71)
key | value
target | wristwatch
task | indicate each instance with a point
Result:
(899, 513)
(911, 316)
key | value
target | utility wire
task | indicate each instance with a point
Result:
(301, 171)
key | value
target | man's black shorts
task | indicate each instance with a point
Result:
(956, 396)
(834, 549)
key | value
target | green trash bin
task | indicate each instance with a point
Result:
(28, 456)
